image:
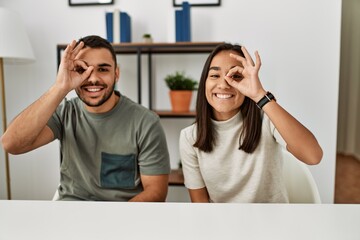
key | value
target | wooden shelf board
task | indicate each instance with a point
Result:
(157, 47)
(169, 113)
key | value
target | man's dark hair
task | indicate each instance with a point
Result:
(94, 41)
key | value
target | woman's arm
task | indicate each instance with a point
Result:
(199, 195)
(300, 141)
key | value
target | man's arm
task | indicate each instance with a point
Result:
(155, 189)
(28, 130)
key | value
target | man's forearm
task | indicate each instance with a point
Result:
(149, 196)
(27, 126)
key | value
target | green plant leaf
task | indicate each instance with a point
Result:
(179, 81)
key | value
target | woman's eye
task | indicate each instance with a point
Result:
(213, 75)
(237, 76)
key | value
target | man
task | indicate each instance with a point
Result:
(111, 148)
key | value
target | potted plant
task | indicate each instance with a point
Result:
(147, 38)
(181, 88)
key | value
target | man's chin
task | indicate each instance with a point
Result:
(91, 102)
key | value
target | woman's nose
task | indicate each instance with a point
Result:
(223, 83)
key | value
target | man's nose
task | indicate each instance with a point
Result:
(93, 77)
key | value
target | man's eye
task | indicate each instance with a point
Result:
(103, 70)
(79, 70)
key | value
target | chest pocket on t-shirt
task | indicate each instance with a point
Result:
(118, 171)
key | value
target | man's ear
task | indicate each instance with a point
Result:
(117, 73)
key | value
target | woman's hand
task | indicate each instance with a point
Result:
(250, 84)
(72, 71)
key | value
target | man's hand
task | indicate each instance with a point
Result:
(72, 71)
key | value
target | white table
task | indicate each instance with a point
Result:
(50, 220)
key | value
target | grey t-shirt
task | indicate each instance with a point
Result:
(104, 154)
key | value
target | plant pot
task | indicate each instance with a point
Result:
(147, 40)
(180, 100)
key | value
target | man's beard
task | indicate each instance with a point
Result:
(101, 101)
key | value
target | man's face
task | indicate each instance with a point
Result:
(96, 90)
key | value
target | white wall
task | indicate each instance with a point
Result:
(299, 42)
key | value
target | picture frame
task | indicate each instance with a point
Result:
(198, 3)
(90, 2)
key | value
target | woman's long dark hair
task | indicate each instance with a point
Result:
(252, 119)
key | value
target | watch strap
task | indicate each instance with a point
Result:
(267, 98)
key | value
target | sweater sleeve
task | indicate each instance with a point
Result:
(189, 159)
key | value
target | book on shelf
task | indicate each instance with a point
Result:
(118, 26)
(125, 27)
(109, 26)
(183, 23)
(178, 26)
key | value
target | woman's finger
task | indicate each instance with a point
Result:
(241, 59)
(247, 56)
(235, 70)
(258, 60)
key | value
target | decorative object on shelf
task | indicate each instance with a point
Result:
(181, 89)
(118, 26)
(90, 2)
(147, 38)
(15, 48)
(183, 23)
(198, 3)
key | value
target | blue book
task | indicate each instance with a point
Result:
(109, 26)
(186, 22)
(179, 26)
(125, 27)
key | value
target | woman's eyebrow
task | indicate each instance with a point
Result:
(214, 68)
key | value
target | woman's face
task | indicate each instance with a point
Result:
(224, 99)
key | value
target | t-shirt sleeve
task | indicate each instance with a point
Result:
(55, 123)
(153, 151)
(190, 163)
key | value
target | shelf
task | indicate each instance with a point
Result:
(144, 48)
(171, 114)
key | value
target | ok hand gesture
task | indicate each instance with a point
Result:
(250, 84)
(72, 71)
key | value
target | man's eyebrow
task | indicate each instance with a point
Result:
(104, 65)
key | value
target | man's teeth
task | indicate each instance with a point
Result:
(93, 89)
(223, 96)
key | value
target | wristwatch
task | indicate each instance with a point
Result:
(267, 98)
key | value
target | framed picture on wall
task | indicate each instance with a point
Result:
(90, 2)
(197, 3)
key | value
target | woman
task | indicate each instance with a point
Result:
(233, 151)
